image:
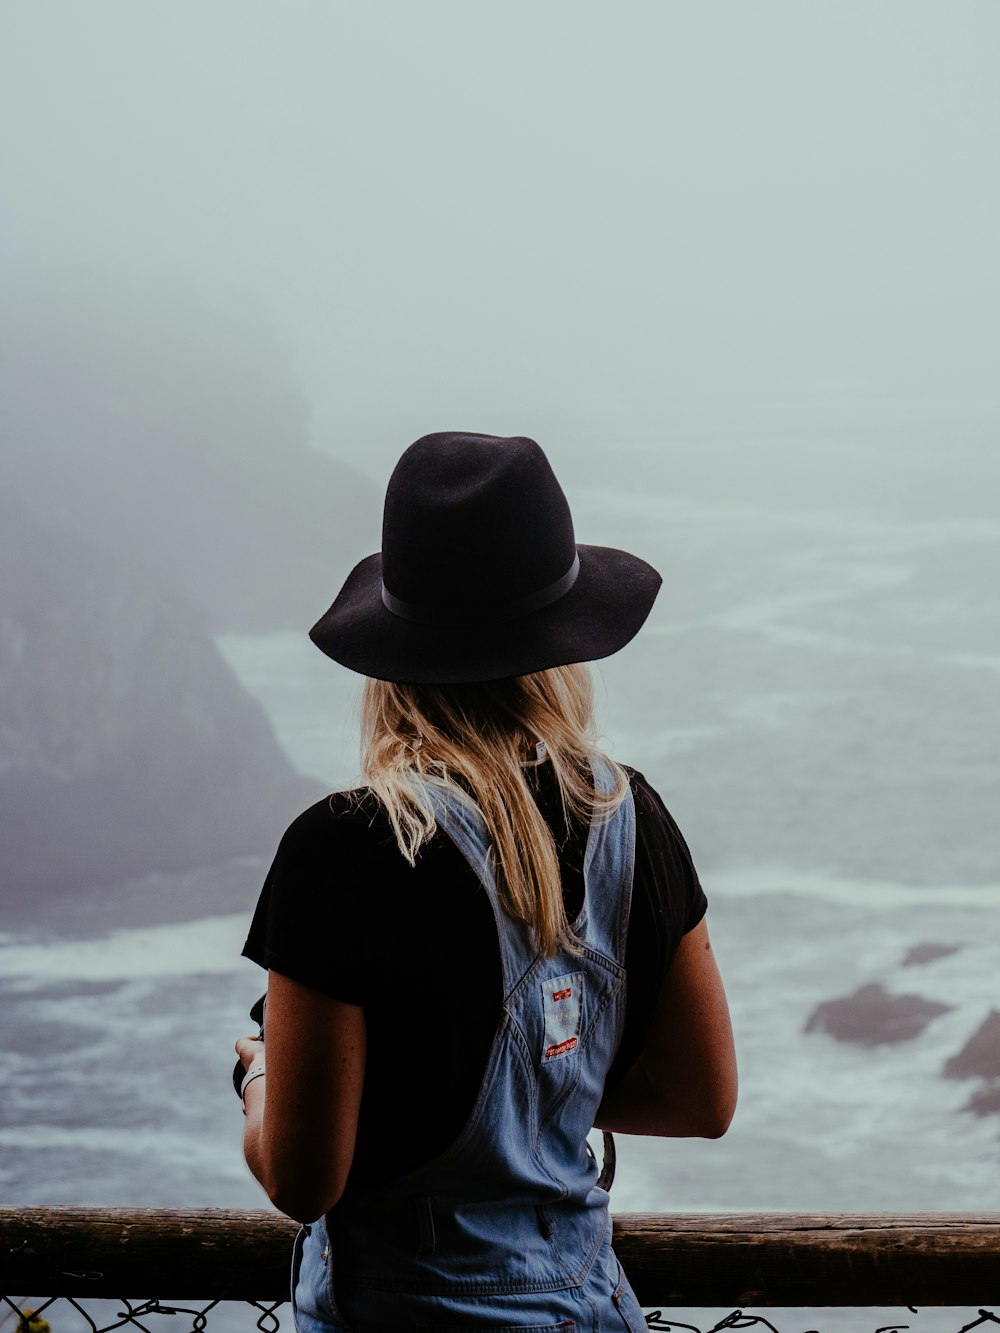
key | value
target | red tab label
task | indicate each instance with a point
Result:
(562, 1000)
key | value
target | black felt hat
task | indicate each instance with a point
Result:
(479, 575)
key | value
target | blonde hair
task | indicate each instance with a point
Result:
(477, 738)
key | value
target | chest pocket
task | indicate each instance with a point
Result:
(562, 1016)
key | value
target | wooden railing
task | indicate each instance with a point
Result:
(775, 1259)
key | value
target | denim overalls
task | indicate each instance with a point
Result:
(508, 1229)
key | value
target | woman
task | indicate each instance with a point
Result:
(448, 948)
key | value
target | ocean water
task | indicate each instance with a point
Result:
(816, 696)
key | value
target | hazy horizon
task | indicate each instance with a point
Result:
(735, 266)
(460, 216)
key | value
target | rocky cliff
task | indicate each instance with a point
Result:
(126, 744)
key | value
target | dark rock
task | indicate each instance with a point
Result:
(126, 743)
(928, 953)
(980, 1056)
(985, 1100)
(873, 1017)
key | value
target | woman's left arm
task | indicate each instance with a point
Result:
(302, 1116)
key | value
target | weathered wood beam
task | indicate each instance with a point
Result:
(777, 1259)
(693, 1259)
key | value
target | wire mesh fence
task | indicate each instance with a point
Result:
(66, 1314)
(697, 1273)
(859, 1321)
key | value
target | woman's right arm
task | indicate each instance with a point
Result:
(302, 1118)
(684, 1081)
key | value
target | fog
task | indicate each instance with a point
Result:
(456, 214)
(735, 267)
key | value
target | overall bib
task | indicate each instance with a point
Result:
(508, 1229)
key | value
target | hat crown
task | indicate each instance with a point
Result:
(479, 576)
(474, 521)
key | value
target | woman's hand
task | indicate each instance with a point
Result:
(251, 1053)
(250, 1050)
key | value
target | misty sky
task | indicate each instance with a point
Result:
(228, 227)
(484, 215)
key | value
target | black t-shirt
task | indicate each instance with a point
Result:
(343, 912)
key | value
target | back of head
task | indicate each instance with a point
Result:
(473, 624)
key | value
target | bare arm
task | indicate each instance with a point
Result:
(684, 1081)
(302, 1117)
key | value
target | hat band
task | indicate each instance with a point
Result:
(480, 613)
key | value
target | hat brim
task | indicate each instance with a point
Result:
(605, 609)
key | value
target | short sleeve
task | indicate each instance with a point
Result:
(667, 902)
(309, 923)
(664, 869)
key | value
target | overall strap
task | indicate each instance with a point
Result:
(608, 867)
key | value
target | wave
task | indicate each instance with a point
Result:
(209, 945)
(767, 881)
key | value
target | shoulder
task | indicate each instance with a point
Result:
(345, 839)
(649, 804)
(311, 923)
(664, 864)
(356, 805)
(344, 818)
